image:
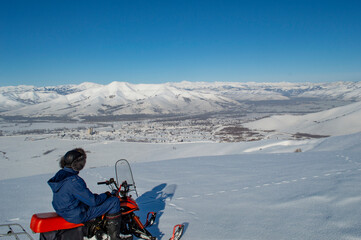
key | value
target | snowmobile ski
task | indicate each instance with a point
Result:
(150, 219)
(177, 232)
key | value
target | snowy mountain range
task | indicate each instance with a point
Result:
(186, 98)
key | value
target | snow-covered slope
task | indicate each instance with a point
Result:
(219, 191)
(121, 98)
(337, 121)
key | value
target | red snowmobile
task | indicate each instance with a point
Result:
(52, 226)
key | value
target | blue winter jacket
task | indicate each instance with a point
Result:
(71, 197)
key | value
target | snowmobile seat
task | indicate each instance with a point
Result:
(50, 221)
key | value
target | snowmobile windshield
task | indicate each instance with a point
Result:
(123, 173)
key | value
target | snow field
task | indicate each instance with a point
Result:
(271, 199)
(257, 190)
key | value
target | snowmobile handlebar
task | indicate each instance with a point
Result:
(108, 182)
(111, 181)
(122, 189)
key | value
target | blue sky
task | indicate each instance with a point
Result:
(58, 42)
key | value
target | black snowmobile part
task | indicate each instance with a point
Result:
(138, 229)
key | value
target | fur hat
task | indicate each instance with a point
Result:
(74, 159)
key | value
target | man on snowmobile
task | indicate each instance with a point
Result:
(73, 201)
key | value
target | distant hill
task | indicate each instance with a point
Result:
(337, 121)
(183, 98)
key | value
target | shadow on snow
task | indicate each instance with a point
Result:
(155, 201)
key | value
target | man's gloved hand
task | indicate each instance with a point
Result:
(108, 194)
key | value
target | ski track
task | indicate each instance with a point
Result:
(269, 184)
(95, 175)
(249, 188)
